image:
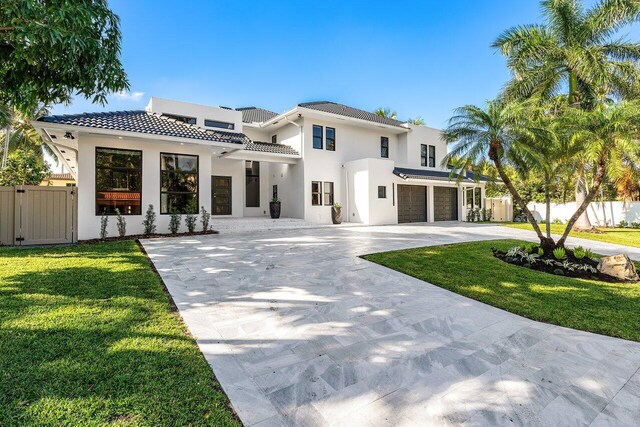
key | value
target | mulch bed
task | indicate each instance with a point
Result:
(137, 237)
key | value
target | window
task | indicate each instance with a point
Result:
(432, 156)
(328, 193)
(218, 124)
(184, 119)
(317, 137)
(275, 192)
(423, 155)
(118, 181)
(382, 192)
(316, 193)
(331, 139)
(178, 183)
(384, 147)
(274, 139)
(478, 197)
(252, 173)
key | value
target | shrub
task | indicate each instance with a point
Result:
(579, 252)
(528, 248)
(121, 223)
(190, 221)
(104, 220)
(540, 251)
(489, 214)
(149, 222)
(204, 219)
(623, 224)
(557, 221)
(174, 221)
(635, 224)
(470, 215)
(588, 253)
(477, 214)
(559, 254)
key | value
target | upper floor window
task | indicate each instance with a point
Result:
(384, 147)
(178, 183)
(317, 137)
(331, 139)
(428, 155)
(118, 181)
(219, 124)
(274, 139)
(252, 174)
(185, 119)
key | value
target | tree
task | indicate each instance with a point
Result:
(480, 134)
(575, 48)
(21, 133)
(386, 112)
(418, 121)
(50, 50)
(24, 168)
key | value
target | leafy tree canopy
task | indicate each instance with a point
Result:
(51, 49)
(24, 167)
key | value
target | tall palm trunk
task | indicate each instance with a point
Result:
(583, 221)
(5, 151)
(547, 200)
(546, 242)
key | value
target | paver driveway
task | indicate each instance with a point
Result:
(300, 331)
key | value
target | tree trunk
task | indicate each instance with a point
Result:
(600, 173)
(547, 243)
(574, 96)
(5, 151)
(582, 222)
(547, 200)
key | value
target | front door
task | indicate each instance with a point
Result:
(221, 195)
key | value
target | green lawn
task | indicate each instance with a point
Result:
(470, 269)
(620, 236)
(88, 337)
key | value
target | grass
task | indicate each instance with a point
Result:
(619, 236)
(471, 270)
(88, 337)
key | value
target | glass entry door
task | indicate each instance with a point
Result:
(221, 195)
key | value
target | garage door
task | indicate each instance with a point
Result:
(412, 203)
(445, 204)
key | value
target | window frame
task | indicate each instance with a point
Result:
(246, 183)
(95, 174)
(274, 138)
(424, 155)
(384, 145)
(197, 173)
(313, 136)
(432, 158)
(382, 195)
(184, 119)
(319, 193)
(332, 140)
(330, 193)
(230, 126)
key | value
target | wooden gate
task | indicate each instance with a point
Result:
(36, 215)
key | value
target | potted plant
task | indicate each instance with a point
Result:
(336, 213)
(274, 208)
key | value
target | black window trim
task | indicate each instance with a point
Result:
(181, 192)
(384, 144)
(274, 138)
(424, 155)
(327, 139)
(232, 126)
(95, 176)
(320, 192)
(313, 137)
(384, 191)
(181, 118)
(429, 149)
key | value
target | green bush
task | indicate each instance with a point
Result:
(149, 222)
(635, 224)
(204, 219)
(121, 223)
(623, 224)
(104, 220)
(559, 254)
(174, 222)
(579, 252)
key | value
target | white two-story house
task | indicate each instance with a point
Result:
(180, 156)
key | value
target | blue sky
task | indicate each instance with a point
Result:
(421, 58)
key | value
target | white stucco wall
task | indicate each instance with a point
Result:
(614, 212)
(363, 205)
(197, 111)
(89, 222)
(234, 169)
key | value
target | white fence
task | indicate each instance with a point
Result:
(600, 213)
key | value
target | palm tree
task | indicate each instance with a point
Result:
(601, 135)
(418, 121)
(19, 134)
(498, 133)
(386, 112)
(575, 48)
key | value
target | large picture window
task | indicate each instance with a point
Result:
(317, 137)
(384, 147)
(252, 173)
(178, 183)
(118, 181)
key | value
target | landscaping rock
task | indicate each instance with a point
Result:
(618, 266)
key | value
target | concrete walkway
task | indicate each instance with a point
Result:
(300, 331)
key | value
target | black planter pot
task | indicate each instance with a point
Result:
(336, 215)
(274, 209)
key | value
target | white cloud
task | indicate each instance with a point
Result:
(129, 96)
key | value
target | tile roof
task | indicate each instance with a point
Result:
(255, 115)
(145, 122)
(405, 173)
(268, 147)
(343, 110)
